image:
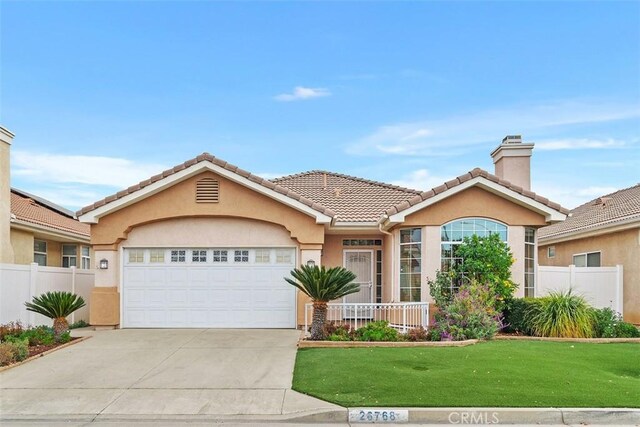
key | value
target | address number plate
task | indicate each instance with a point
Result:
(378, 415)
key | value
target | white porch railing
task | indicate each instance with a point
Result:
(400, 315)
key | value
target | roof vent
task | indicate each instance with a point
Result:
(512, 139)
(602, 201)
(207, 190)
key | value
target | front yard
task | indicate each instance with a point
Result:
(495, 373)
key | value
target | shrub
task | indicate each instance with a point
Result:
(64, 337)
(7, 354)
(609, 324)
(79, 324)
(40, 335)
(627, 330)
(518, 313)
(417, 334)
(11, 329)
(19, 347)
(338, 331)
(563, 314)
(377, 331)
(469, 315)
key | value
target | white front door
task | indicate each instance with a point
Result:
(360, 262)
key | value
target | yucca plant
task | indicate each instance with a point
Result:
(562, 314)
(322, 285)
(56, 306)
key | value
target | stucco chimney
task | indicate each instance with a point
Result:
(512, 160)
(6, 251)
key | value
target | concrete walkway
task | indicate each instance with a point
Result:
(144, 372)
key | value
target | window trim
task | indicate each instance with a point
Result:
(534, 272)
(400, 244)
(74, 257)
(46, 247)
(586, 259)
(84, 257)
(551, 249)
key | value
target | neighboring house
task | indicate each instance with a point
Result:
(206, 244)
(603, 232)
(33, 229)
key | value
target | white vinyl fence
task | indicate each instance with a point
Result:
(601, 286)
(20, 283)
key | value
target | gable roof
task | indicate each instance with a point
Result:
(352, 199)
(608, 210)
(41, 212)
(477, 175)
(192, 167)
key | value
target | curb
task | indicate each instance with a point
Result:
(37, 356)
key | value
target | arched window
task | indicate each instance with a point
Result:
(453, 233)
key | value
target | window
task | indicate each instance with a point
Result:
(284, 256)
(529, 262)
(219, 256)
(136, 256)
(551, 252)
(263, 256)
(361, 242)
(591, 259)
(156, 255)
(178, 255)
(241, 256)
(40, 252)
(410, 264)
(198, 255)
(69, 256)
(452, 235)
(86, 257)
(378, 276)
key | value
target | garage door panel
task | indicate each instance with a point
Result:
(222, 294)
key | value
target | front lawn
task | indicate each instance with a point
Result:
(495, 373)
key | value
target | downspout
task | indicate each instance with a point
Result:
(393, 251)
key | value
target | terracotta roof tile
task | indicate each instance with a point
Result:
(608, 209)
(30, 210)
(209, 158)
(477, 172)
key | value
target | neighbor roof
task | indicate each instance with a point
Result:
(605, 210)
(352, 199)
(41, 212)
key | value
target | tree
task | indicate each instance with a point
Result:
(56, 306)
(322, 285)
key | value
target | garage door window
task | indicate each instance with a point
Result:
(283, 256)
(263, 256)
(136, 256)
(241, 256)
(219, 256)
(198, 255)
(156, 256)
(178, 256)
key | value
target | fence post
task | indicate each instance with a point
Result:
(619, 290)
(355, 316)
(33, 289)
(404, 318)
(572, 276)
(73, 290)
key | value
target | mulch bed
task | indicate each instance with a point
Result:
(39, 349)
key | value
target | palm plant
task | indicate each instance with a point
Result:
(56, 306)
(322, 285)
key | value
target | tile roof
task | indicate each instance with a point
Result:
(219, 162)
(609, 209)
(352, 199)
(477, 172)
(36, 212)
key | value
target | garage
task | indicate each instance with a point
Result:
(230, 287)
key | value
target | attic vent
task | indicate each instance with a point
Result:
(602, 201)
(207, 190)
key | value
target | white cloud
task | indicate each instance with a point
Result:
(420, 179)
(578, 144)
(571, 196)
(77, 169)
(271, 175)
(301, 93)
(458, 134)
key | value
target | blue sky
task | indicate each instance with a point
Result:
(102, 95)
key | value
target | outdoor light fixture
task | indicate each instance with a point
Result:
(311, 263)
(104, 264)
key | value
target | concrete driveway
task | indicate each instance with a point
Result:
(124, 374)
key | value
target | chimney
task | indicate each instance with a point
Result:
(6, 251)
(512, 160)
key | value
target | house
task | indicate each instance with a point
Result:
(34, 229)
(603, 232)
(206, 244)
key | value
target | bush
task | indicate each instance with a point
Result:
(65, 337)
(7, 354)
(469, 315)
(562, 314)
(417, 334)
(40, 335)
(79, 324)
(338, 331)
(11, 329)
(18, 346)
(377, 331)
(518, 313)
(627, 330)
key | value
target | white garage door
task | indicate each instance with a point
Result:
(208, 288)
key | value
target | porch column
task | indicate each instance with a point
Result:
(515, 241)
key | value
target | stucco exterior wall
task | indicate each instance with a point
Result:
(22, 244)
(515, 240)
(475, 202)
(178, 201)
(6, 252)
(515, 170)
(620, 248)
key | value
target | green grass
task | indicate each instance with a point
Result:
(496, 373)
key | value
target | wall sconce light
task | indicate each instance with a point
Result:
(104, 264)
(311, 263)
